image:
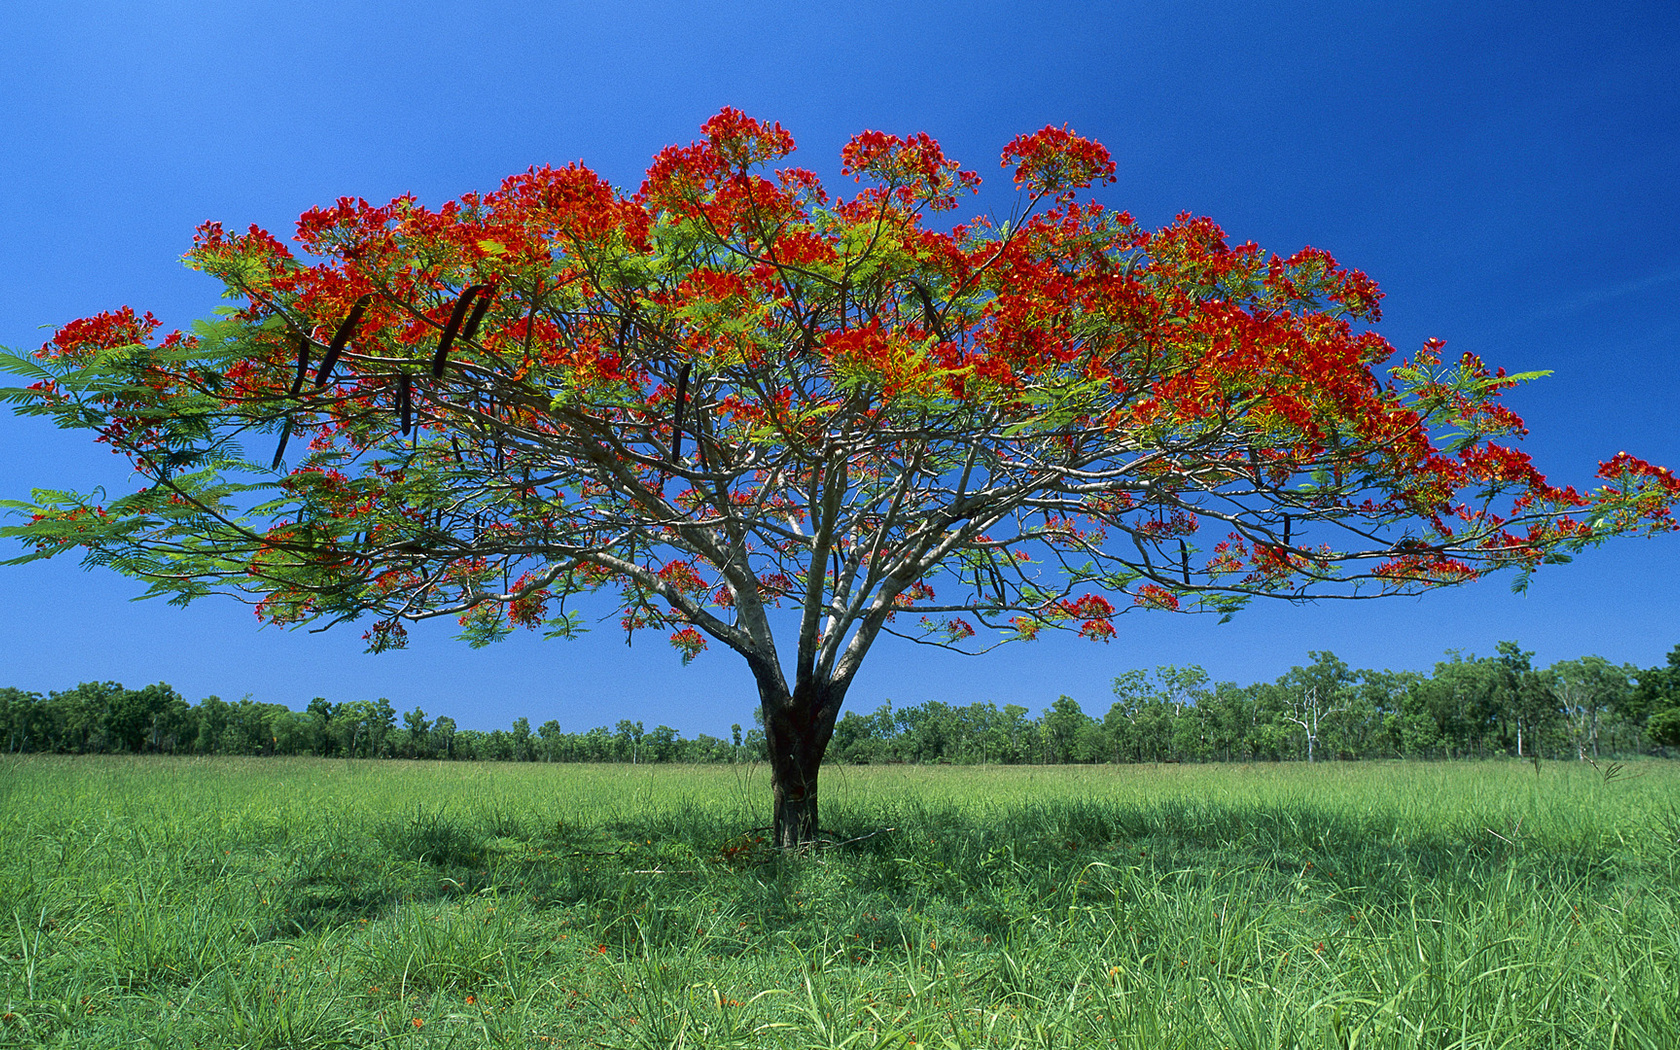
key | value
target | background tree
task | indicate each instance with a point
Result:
(1583, 691)
(1308, 710)
(662, 744)
(1317, 694)
(1376, 706)
(139, 719)
(1664, 727)
(520, 732)
(1227, 720)
(926, 732)
(730, 391)
(1655, 702)
(1520, 698)
(1064, 730)
(1457, 706)
(17, 717)
(551, 741)
(628, 741)
(419, 732)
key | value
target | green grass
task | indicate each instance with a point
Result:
(302, 902)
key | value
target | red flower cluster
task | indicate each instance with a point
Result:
(1054, 160)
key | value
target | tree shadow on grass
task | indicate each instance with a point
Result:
(673, 875)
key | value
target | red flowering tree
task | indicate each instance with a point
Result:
(731, 392)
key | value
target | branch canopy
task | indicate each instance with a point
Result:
(731, 390)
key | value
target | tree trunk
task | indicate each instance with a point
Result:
(797, 729)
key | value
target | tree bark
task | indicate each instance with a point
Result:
(797, 729)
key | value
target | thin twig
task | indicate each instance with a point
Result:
(831, 844)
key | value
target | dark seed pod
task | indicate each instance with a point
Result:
(929, 314)
(677, 420)
(1184, 561)
(456, 445)
(340, 338)
(453, 328)
(1286, 530)
(285, 436)
(470, 332)
(303, 363)
(405, 403)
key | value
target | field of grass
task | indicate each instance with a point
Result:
(314, 903)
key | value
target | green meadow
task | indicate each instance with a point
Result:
(321, 903)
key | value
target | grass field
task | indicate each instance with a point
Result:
(305, 902)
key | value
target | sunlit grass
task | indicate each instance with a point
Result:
(305, 902)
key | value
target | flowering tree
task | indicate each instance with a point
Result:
(731, 392)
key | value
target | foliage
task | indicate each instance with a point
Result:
(1656, 700)
(1469, 707)
(858, 387)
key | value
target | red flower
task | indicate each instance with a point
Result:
(1054, 160)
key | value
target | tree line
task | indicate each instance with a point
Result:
(1468, 707)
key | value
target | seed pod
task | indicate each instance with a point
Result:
(405, 403)
(1184, 561)
(303, 363)
(677, 420)
(451, 329)
(340, 338)
(1286, 530)
(997, 580)
(929, 314)
(285, 436)
(470, 332)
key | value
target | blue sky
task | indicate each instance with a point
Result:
(1508, 172)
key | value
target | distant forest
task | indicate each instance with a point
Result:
(1469, 707)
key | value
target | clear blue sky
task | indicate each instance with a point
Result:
(1508, 172)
